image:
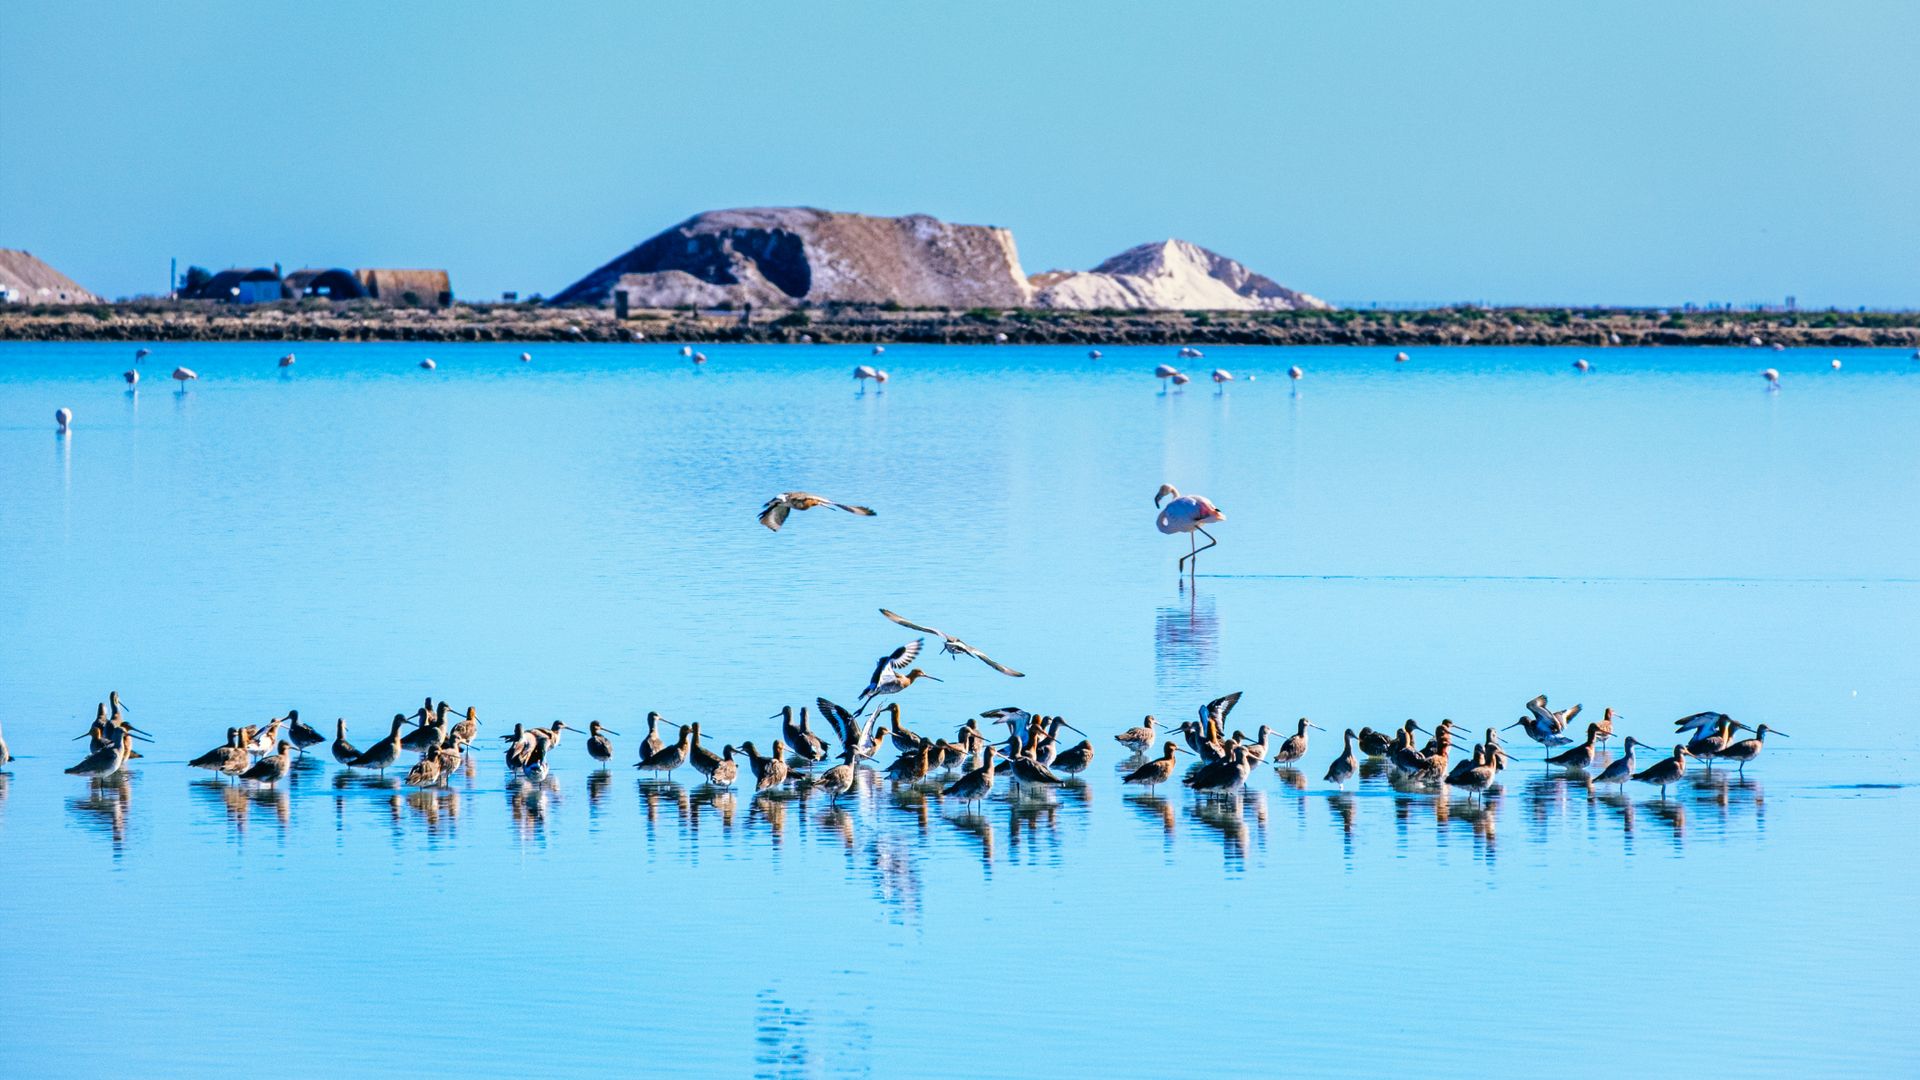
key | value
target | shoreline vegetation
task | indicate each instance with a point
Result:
(322, 320)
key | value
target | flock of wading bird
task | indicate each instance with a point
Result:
(434, 743)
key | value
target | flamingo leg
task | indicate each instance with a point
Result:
(1196, 552)
(1191, 552)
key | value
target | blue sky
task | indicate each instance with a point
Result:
(1396, 151)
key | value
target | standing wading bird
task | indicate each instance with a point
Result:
(343, 751)
(1221, 377)
(1137, 739)
(302, 734)
(1665, 771)
(1159, 770)
(1074, 759)
(769, 772)
(381, 755)
(1580, 756)
(808, 747)
(1743, 751)
(671, 756)
(1620, 769)
(652, 744)
(726, 770)
(1163, 373)
(774, 514)
(891, 674)
(599, 747)
(953, 646)
(976, 784)
(1707, 747)
(1187, 514)
(272, 769)
(1344, 766)
(217, 758)
(107, 760)
(182, 375)
(1295, 746)
(1543, 725)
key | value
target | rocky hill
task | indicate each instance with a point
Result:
(25, 279)
(1172, 275)
(777, 257)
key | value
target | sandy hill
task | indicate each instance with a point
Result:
(1172, 275)
(780, 256)
(27, 280)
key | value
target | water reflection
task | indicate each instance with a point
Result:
(1186, 646)
(529, 802)
(105, 807)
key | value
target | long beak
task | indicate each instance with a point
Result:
(1075, 730)
(935, 678)
(1316, 727)
(1515, 724)
(1184, 750)
(1421, 730)
(130, 727)
(605, 729)
(80, 736)
(1782, 734)
(142, 738)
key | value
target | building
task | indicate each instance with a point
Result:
(24, 279)
(426, 288)
(331, 284)
(258, 285)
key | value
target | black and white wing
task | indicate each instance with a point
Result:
(774, 514)
(960, 646)
(1214, 712)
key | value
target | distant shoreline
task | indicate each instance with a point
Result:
(323, 321)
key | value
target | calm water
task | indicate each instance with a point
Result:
(574, 538)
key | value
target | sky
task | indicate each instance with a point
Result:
(1368, 151)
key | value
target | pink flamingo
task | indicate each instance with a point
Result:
(1163, 373)
(1221, 377)
(1180, 379)
(182, 375)
(1187, 514)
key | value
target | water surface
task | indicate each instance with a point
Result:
(574, 538)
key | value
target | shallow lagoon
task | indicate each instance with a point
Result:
(574, 538)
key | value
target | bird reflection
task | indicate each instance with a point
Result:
(434, 808)
(104, 808)
(530, 802)
(598, 781)
(1154, 808)
(1341, 805)
(1186, 646)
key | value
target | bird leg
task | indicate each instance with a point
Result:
(1195, 556)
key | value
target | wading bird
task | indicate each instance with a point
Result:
(1743, 751)
(183, 375)
(1188, 514)
(774, 513)
(671, 756)
(953, 646)
(1295, 746)
(343, 751)
(976, 784)
(273, 768)
(599, 747)
(107, 760)
(301, 733)
(381, 755)
(769, 772)
(1345, 765)
(1137, 739)
(1666, 771)
(1620, 769)
(809, 747)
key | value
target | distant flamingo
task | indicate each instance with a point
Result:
(132, 377)
(1399, 358)
(527, 357)
(1835, 364)
(183, 375)
(699, 358)
(1093, 354)
(1773, 378)
(1163, 373)
(879, 350)
(862, 373)
(686, 350)
(428, 364)
(1581, 364)
(1180, 379)
(1187, 514)
(141, 354)
(63, 419)
(287, 360)
(1295, 373)
(1221, 377)
(880, 378)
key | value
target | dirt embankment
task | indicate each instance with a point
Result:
(322, 321)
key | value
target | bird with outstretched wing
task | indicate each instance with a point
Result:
(953, 646)
(774, 513)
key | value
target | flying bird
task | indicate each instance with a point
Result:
(774, 514)
(954, 646)
(891, 674)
